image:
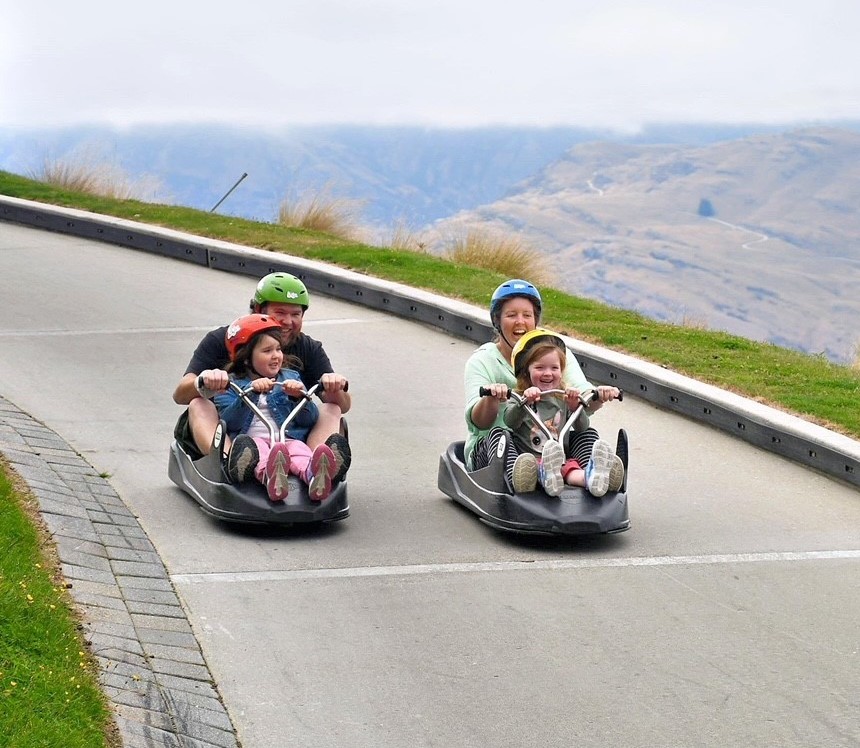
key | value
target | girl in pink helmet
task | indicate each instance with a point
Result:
(257, 361)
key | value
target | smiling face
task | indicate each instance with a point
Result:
(546, 370)
(267, 358)
(516, 318)
(290, 317)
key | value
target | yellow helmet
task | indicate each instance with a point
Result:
(529, 340)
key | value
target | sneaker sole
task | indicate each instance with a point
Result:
(342, 456)
(599, 467)
(616, 475)
(323, 466)
(552, 458)
(278, 473)
(240, 467)
(524, 478)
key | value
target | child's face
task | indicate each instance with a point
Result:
(545, 371)
(267, 358)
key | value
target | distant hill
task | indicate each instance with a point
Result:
(759, 236)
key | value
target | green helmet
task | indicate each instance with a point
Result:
(280, 287)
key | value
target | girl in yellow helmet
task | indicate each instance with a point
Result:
(539, 360)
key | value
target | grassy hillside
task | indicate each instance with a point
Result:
(810, 386)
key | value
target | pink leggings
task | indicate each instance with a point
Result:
(300, 457)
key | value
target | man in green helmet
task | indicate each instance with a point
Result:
(284, 297)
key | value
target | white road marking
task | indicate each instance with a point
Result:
(544, 565)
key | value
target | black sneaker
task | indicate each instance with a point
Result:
(243, 459)
(342, 455)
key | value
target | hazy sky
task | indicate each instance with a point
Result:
(442, 62)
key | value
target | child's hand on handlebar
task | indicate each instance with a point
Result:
(294, 387)
(532, 395)
(572, 398)
(263, 384)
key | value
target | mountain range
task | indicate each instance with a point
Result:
(749, 229)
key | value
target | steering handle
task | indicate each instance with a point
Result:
(588, 397)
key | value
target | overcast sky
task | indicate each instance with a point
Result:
(442, 62)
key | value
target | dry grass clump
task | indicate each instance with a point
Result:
(693, 321)
(503, 253)
(854, 357)
(94, 178)
(322, 212)
(403, 238)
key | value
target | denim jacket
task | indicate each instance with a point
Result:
(238, 416)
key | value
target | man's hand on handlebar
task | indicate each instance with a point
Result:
(332, 383)
(212, 381)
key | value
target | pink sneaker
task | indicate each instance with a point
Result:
(321, 470)
(278, 473)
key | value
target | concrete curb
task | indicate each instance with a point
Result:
(151, 666)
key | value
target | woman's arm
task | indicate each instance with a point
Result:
(482, 411)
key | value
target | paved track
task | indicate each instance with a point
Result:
(726, 616)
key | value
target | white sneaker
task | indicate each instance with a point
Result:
(599, 467)
(551, 460)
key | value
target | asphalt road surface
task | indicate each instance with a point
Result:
(727, 616)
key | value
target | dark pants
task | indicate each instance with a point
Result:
(184, 437)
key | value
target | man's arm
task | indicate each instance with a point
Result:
(211, 353)
(186, 390)
(317, 368)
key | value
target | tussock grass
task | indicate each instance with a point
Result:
(505, 254)
(321, 212)
(49, 694)
(855, 357)
(401, 237)
(693, 321)
(93, 178)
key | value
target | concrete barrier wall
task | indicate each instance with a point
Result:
(819, 448)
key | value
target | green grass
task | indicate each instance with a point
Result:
(49, 695)
(809, 386)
